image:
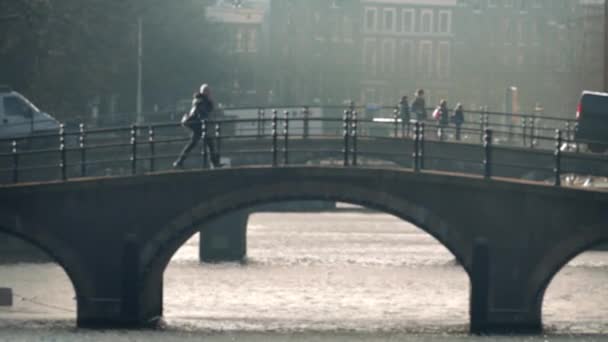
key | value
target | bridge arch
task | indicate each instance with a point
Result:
(586, 238)
(61, 254)
(157, 252)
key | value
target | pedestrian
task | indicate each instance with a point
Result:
(458, 119)
(419, 105)
(404, 112)
(202, 106)
(441, 114)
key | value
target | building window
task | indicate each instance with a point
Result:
(348, 28)
(445, 22)
(407, 20)
(370, 18)
(239, 41)
(253, 41)
(426, 21)
(425, 57)
(370, 56)
(521, 32)
(405, 56)
(388, 56)
(443, 62)
(508, 31)
(389, 19)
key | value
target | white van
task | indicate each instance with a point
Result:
(20, 118)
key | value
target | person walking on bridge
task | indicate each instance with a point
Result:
(404, 113)
(441, 114)
(419, 105)
(202, 106)
(458, 119)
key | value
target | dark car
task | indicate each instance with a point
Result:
(592, 119)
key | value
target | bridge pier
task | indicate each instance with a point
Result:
(224, 239)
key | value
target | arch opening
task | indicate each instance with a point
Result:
(37, 284)
(574, 299)
(351, 267)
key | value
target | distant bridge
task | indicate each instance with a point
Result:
(115, 235)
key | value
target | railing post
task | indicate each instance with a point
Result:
(481, 125)
(286, 138)
(83, 151)
(421, 144)
(558, 158)
(62, 152)
(151, 143)
(204, 138)
(532, 133)
(487, 147)
(524, 131)
(354, 124)
(15, 162)
(345, 123)
(218, 141)
(416, 154)
(274, 137)
(396, 121)
(305, 129)
(260, 122)
(133, 149)
(568, 132)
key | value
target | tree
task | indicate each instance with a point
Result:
(67, 54)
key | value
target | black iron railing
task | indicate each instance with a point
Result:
(487, 148)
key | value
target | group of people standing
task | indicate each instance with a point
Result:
(418, 111)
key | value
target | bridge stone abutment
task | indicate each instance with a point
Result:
(224, 238)
(115, 236)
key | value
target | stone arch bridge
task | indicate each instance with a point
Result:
(114, 236)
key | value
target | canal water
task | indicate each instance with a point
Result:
(348, 276)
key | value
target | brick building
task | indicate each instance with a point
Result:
(406, 44)
(542, 47)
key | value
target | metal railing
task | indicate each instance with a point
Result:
(350, 140)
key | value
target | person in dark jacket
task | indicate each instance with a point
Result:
(202, 106)
(419, 105)
(458, 119)
(404, 113)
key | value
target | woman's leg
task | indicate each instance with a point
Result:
(194, 138)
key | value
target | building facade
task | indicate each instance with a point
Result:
(313, 49)
(468, 51)
(547, 49)
(243, 25)
(406, 44)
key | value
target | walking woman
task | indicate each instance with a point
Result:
(441, 114)
(202, 106)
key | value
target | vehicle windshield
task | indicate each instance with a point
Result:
(31, 105)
